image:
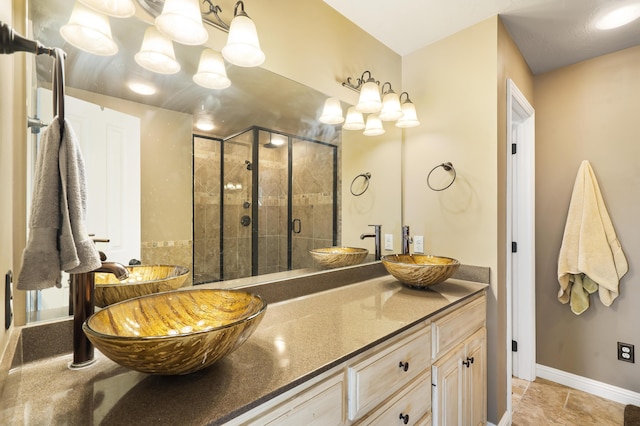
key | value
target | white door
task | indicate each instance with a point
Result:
(110, 144)
(520, 237)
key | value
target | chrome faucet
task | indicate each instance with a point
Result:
(406, 239)
(377, 238)
(83, 289)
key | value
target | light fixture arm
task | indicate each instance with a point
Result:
(406, 100)
(349, 84)
(390, 90)
(216, 21)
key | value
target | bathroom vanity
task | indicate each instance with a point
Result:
(370, 352)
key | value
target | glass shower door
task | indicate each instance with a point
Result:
(313, 199)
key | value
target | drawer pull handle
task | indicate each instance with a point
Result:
(404, 366)
(404, 418)
(468, 362)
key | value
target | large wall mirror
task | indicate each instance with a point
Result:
(164, 191)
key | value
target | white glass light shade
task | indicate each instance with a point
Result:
(354, 120)
(243, 47)
(374, 126)
(369, 100)
(332, 112)
(391, 109)
(181, 21)
(115, 8)
(90, 31)
(212, 73)
(156, 53)
(409, 117)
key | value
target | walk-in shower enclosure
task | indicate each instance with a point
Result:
(261, 200)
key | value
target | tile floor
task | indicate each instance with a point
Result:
(542, 402)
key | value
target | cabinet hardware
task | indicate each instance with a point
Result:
(468, 362)
(404, 418)
(404, 366)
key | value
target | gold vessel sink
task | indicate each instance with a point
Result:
(336, 257)
(143, 280)
(176, 332)
(418, 270)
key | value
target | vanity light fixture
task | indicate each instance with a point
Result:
(332, 112)
(243, 47)
(409, 117)
(115, 8)
(90, 31)
(181, 21)
(389, 107)
(156, 53)
(374, 126)
(212, 73)
(354, 120)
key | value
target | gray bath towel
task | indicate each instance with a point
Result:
(57, 236)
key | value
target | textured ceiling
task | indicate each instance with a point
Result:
(549, 33)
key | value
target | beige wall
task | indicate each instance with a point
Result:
(511, 65)
(458, 110)
(588, 111)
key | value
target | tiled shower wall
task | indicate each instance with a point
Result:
(312, 203)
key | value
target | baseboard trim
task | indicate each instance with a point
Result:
(585, 384)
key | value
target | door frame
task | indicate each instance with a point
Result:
(520, 285)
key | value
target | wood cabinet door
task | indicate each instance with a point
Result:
(475, 377)
(448, 386)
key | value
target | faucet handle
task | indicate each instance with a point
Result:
(103, 256)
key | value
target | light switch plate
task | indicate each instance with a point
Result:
(418, 244)
(388, 241)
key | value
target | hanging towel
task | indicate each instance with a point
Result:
(591, 258)
(57, 238)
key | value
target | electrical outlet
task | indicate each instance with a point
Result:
(418, 244)
(388, 241)
(626, 352)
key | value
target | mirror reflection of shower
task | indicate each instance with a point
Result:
(262, 199)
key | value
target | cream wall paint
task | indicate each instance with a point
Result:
(453, 84)
(381, 203)
(588, 111)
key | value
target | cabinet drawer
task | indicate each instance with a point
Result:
(412, 405)
(380, 375)
(453, 328)
(321, 405)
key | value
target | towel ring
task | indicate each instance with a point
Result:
(447, 167)
(367, 177)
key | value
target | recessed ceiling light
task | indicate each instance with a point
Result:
(205, 125)
(142, 88)
(618, 17)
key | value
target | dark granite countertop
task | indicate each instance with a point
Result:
(297, 340)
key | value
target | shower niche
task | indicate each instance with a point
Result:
(261, 200)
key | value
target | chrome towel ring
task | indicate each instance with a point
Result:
(367, 177)
(447, 167)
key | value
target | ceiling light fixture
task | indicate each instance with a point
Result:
(388, 107)
(618, 17)
(90, 31)
(140, 88)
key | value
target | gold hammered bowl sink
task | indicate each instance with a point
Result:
(176, 332)
(418, 270)
(143, 280)
(336, 257)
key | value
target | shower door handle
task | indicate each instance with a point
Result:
(296, 226)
